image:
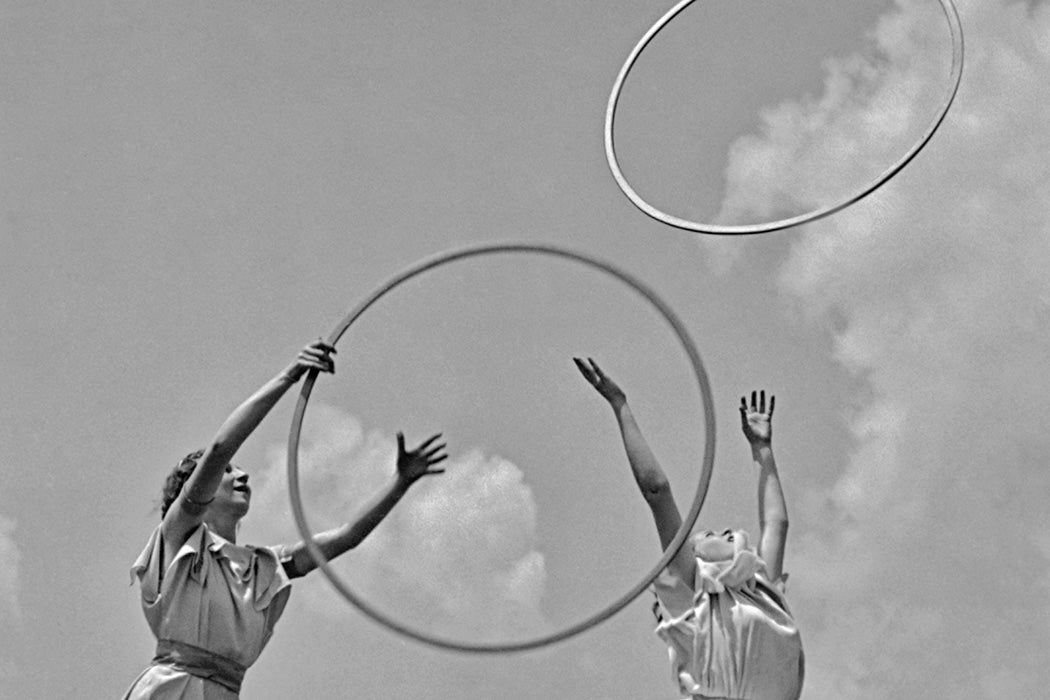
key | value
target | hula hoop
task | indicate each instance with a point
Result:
(950, 13)
(683, 532)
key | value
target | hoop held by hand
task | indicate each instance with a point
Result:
(950, 13)
(701, 490)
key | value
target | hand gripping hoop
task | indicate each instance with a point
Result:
(680, 537)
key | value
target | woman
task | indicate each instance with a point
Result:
(721, 605)
(211, 603)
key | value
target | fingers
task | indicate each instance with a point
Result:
(318, 350)
(419, 461)
(322, 365)
(322, 346)
(427, 450)
(586, 371)
(432, 456)
(317, 355)
(590, 370)
(426, 443)
(758, 403)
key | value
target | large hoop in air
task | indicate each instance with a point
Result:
(612, 608)
(950, 13)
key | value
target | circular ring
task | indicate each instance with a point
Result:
(683, 532)
(952, 15)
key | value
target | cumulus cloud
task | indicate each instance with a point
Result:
(808, 155)
(456, 557)
(11, 556)
(10, 610)
(924, 567)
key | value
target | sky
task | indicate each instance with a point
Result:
(192, 192)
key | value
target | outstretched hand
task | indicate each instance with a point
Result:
(755, 420)
(415, 464)
(605, 386)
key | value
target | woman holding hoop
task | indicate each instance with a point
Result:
(211, 603)
(720, 602)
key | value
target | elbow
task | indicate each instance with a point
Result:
(299, 564)
(777, 525)
(350, 540)
(655, 489)
(220, 451)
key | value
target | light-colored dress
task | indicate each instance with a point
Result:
(215, 599)
(739, 642)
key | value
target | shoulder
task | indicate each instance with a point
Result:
(270, 581)
(773, 589)
(157, 565)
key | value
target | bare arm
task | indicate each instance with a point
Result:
(650, 477)
(412, 465)
(187, 512)
(772, 509)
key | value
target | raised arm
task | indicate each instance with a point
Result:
(757, 424)
(650, 477)
(412, 465)
(188, 509)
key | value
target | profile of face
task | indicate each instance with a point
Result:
(233, 495)
(716, 546)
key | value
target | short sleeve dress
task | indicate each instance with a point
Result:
(215, 599)
(741, 643)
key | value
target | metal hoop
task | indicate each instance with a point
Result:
(952, 15)
(683, 532)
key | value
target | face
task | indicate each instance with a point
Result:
(233, 493)
(715, 546)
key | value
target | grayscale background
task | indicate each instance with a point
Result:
(192, 191)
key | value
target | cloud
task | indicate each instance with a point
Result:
(456, 557)
(10, 609)
(924, 567)
(9, 572)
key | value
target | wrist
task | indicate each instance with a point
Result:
(762, 451)
(291, 375)
(402, 483)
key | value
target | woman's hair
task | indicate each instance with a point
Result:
(657, 607)
(176, 478)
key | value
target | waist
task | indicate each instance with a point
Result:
(200, 663)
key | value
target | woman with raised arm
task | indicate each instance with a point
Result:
(211, 603)
(721, 605)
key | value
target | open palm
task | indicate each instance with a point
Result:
(417, 463)
(755, 420)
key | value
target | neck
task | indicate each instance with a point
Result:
(223, 525)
